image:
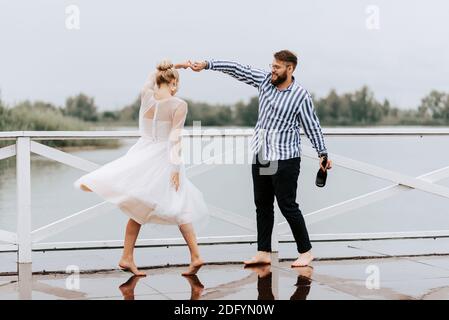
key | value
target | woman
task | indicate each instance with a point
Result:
(149, 183)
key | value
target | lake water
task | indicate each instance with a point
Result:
(229, 186)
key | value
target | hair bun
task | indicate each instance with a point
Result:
(164, 65)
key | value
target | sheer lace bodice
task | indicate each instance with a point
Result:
(160, 119)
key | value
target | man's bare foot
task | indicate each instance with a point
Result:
(261, 257)
(304, 259)
(194, 266)
(85, 188)
(305, 272)
(128, 265)
(262, 270)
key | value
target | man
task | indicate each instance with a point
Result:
(284, 106)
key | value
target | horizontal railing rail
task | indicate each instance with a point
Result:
(217, 132)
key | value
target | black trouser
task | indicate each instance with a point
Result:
(278, 179)
(265, 288)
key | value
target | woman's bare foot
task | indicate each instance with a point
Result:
(196, 287)
(129, 265)
(304, 259)
(261, 257)
(195, 265)
(85, 188)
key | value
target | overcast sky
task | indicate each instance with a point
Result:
(119, 42)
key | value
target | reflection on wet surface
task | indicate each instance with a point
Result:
(265, 282)
(397, 278)
(127, 288)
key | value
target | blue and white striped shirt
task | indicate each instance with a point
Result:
(281, 113)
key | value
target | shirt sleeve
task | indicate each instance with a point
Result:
(178, 121)
(244, 73)
(311, 125)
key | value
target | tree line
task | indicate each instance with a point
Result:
(358, 108)
(43, 116)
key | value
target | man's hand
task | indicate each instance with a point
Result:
(184, 65)
(328, 164)
(198, 66)
(175, 180)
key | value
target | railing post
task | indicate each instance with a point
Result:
(23, 173)
(25, 283)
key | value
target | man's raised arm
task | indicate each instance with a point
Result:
(244, 73)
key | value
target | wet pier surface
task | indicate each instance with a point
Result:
(396, 269)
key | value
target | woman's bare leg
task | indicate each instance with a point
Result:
(127, 260)
(195, 261)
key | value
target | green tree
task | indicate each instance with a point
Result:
(5, 117)
(109, 116)
(82, 107)
(224, 115)
(435, 105)
(246, 114)
(209, 115)
(333, 109)
(131, 111)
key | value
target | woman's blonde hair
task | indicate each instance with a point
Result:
(166, 72)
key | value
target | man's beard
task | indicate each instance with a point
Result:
(280, 79)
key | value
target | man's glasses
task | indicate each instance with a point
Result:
(274, 66)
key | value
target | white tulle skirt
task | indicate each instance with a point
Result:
(139, 183)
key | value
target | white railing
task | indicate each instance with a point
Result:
(25, 240)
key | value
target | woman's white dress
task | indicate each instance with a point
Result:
(139, 182)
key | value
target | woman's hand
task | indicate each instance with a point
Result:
(198, 66)
(184, 65)
(175, 180)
